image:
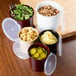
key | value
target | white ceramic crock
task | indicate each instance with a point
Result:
(52, 22)
(24, 45)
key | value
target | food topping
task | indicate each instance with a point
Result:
(38, 53)
(21, 12)
(48, 10)
(48, 38)
(28, 34)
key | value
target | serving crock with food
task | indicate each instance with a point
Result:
(27, 36)
(50, 38)
(49, 15)
(41, 59)
(23, 14)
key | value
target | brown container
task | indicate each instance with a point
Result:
(24, 23)
(38, 65)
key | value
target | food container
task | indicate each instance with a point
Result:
(51, 22)
(11, 29)
(56, 47)
(53, 47)
(47, 65)
(24, 23)
(24, 45)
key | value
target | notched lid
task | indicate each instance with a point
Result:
(11, 28)
(50, 64)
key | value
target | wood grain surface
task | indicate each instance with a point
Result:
(69, 15)
(10, 65)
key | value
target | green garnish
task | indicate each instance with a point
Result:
(22, 12)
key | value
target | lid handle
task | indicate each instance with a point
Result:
(60, 46)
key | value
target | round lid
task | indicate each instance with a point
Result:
(18, 51)
(50, 64)
(11, 28)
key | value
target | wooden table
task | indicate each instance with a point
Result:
(10, 65)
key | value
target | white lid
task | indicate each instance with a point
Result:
(18, 51)
(50, 64)
(11, 28)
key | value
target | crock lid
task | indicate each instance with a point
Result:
(50, 64)
(18, 51)
(11, 28)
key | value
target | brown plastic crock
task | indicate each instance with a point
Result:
(37, 65)
(24, 23)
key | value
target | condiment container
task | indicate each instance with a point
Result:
(56, 47)
(47, 65)
(51, 22)
(24, 45)
(11, 29)
(24, 23)
(53, 47)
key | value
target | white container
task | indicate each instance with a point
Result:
(52, 22)
(11, 29)
(24, 45)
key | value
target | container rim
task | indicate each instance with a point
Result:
(53, 32)
(25, 28)
(38, 44)
(21, 20)
(51, 5)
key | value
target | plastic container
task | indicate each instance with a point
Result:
(24, 23)
(47, 65)
(24, 45)
(52, 22)
(11, 29)
(53, 47)
(38, 65)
